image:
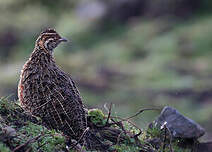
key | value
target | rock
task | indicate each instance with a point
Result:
(9, 131)
(204, 147)
(179, 125)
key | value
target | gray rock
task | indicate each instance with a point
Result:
(179, 125)
(204, 147)
(9, 131)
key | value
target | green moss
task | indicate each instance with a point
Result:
(11, 114)
(3, 148)
(153, 132)
(96, 116)
(5, 105)
(50, 139)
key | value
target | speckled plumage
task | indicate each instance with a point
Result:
(46, 91)
(49, 93)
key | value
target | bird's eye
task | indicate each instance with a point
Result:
(52, 45)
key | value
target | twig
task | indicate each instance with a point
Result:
(140, 111)
(170, 140)
(164, 140)
(83, 134)
(118, 138)
(109, 113)
(120, 124)
(128, 119)
(128, 122)
(27, 142)
(40, 146)
(170, 137)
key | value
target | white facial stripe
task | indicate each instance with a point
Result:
(47, 42)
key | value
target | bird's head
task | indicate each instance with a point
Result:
(48, 40)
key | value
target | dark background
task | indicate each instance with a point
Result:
(133, 53)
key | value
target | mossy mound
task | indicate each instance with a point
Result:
(19, 131)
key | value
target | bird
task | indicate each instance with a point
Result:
(46, 91)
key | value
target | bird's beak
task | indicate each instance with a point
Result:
(63, 40)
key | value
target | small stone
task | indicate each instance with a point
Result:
(179, 125)
(9, 131)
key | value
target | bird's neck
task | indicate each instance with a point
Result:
(42, 57)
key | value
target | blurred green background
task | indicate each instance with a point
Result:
(132, 53)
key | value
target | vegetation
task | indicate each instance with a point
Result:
(96, 116)
(29, 134)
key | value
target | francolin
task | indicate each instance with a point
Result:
(48, 92)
